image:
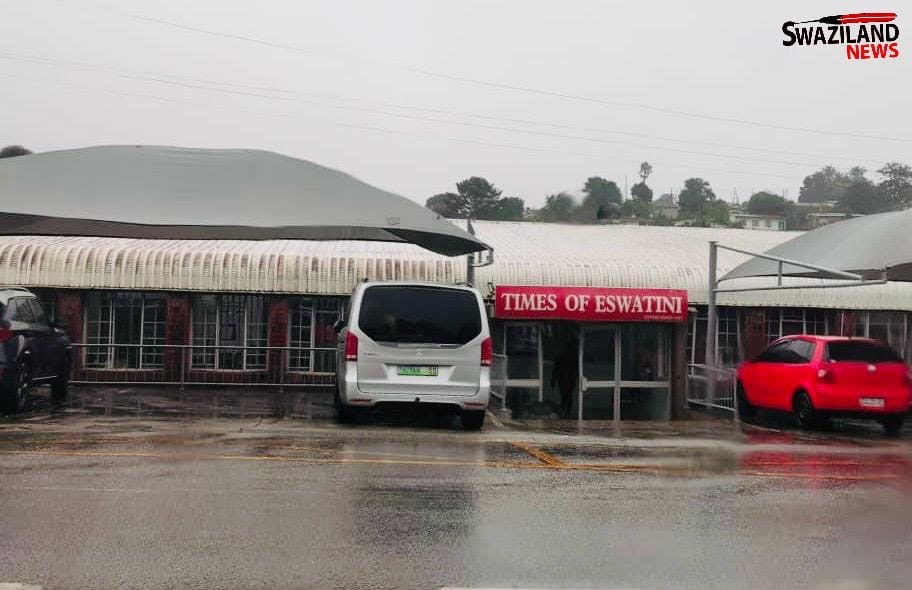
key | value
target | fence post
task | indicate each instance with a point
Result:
(282, 357)
(712, 320)
(183, 367)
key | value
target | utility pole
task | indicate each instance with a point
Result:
(470, 258)
(625, 188)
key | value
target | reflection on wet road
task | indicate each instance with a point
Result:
(94, 495)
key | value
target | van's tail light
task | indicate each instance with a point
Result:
(351, 347)
(5, 332)
(825, 374)
(487, 352)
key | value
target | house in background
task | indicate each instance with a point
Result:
(666, 206)
(759, 222)
(821, 218)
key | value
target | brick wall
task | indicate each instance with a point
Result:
(69, 313)
(278, 319)
(177, 331)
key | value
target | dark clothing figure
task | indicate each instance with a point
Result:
(565, 374)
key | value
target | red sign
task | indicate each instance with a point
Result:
(590, 304)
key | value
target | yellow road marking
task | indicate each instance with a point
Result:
(539, 454)
(542, 464)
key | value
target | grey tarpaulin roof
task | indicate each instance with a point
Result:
(865, 245)
(179, 193)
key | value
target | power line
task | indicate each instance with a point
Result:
(500, 85)
(385, 130)
(151, 77)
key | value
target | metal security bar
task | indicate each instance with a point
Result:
(712, 387)
(186, 364)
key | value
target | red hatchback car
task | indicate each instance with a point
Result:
(817, 377)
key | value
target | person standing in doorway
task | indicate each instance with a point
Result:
(565, 375)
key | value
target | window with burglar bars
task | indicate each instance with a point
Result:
(312, 320)
(229, 332)
(125, 330)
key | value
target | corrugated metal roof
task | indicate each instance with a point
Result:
(525, 254)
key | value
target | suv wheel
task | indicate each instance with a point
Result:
(15, 395)
(473, 420)
(345, 414)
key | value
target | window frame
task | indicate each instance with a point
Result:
(248, 301)
(110, 360)
(294, 304)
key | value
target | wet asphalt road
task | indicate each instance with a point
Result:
(173, 496)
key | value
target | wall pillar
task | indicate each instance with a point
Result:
(279, 319)
(679, 371)
(177, 332)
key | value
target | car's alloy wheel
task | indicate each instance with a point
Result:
(804, 411)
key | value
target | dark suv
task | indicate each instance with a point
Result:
(32, 350)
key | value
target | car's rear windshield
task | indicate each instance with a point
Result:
(419, 315)
(867, 352)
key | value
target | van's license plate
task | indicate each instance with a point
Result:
(417, 371)
(871, 402)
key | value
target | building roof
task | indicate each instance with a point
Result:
(525, 253)
(756, 215)
(165, 192)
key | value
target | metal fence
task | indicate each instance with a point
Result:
(186, 364)
(712, 387)
(499, 381)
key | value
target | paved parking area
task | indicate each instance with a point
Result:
(172, 493)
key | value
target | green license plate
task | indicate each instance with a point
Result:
(417, 371)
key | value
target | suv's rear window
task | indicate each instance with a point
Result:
(425, 315)
(866, 352)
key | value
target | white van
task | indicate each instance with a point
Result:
(408, 342)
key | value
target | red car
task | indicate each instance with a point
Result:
(816, 377)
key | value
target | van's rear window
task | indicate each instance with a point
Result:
(866, 352)
(419, 315)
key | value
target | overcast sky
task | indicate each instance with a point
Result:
(352, 84)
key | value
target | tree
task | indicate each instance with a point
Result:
(639, 208)
(897, 183)
(645, 171)
(764, 203)
(827, 184)
(863, 197)
(641, 192)
(448, 205)
(508, 209)
(559, 207)
(11, 151)
(716, 212)
(694, 197)
(475, 197)
(857, 173)
(479, 197)
(598, 192)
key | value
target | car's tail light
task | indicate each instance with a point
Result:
(487, 352)
(5, 332)
(826, 375)
(351, 347)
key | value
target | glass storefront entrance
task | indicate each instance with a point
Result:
(586, 371)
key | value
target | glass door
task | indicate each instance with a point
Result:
(645, 372)
(598, 368)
